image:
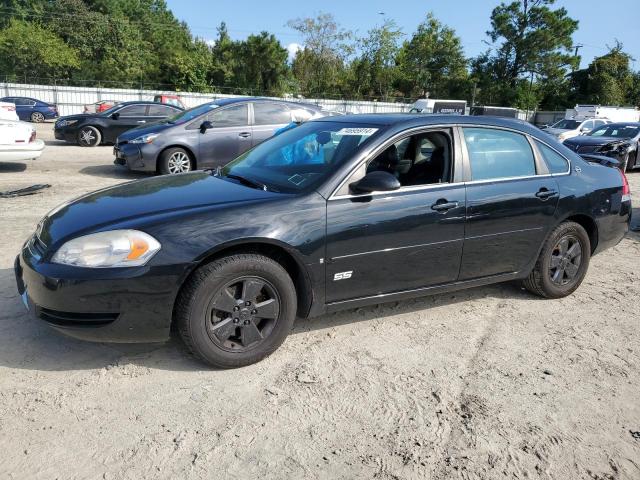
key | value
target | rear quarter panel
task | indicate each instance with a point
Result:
(595, 191)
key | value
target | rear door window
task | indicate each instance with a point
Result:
(161, 111)
(495, 154)
(233, 116)
(270, 114)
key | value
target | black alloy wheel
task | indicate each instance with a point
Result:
(565, 260)
(236, 310)
(242, 313)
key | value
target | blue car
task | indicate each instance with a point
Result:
(33, 110)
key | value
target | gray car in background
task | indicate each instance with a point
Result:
(207, 136)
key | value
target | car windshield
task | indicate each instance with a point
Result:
(188, 115)
(566, 124)
(616, 131)
(301, 158)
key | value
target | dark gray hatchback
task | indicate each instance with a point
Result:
(208, 135)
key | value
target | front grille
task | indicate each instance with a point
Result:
(70, 319)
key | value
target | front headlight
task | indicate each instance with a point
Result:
(117, 248)
(148, 138)
(66, 123)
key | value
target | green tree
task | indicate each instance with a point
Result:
(224, 59)
(531, 42)
(608, 80)
(264, 65)
(320, 67)
(30, 51)
(375, 71)
(433, 62)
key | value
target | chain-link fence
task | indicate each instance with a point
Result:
(73, 99)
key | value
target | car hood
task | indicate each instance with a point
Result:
(586, 140)
(144, 130)
(142, 199)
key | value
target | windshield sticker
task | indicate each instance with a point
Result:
(367, 132)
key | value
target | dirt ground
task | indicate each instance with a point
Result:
(482, 384)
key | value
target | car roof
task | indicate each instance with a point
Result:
(144, 102)
(229, 101)
(622, 124)
(408, 120)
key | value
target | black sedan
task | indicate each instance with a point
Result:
(90, 130)
(334, 214)
(616, 140)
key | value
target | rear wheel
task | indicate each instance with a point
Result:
(37, 117)
(174, 161)
(562, 264)
(89, 137)
(236, 310)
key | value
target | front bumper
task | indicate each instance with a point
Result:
(128, 305)
(134, 157)
(66, 134)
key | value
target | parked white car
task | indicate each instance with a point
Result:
(572, 127)
(18, 141)
(8, 111)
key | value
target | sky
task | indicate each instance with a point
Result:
(601, 23)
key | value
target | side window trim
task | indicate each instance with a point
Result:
(456, 162)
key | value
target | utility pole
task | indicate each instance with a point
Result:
(577, 47)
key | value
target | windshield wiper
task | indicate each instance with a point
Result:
(248, 181)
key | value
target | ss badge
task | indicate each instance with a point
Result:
(342, 276)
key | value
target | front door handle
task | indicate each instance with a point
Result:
(142, 121)
(244, 135)
(443, 205)
(545, 194)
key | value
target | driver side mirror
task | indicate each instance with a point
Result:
(115, 115)
(206, 125)
(585, 130)
(377, 181)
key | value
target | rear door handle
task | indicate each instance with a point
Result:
(443, 206)
(545, 194)
(142, 121)
(244, 135)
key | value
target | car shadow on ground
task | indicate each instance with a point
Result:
(113, 171)
(27, 343)
(12, 167)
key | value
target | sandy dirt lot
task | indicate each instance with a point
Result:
(482, 384)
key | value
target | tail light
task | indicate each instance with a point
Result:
(32, 138)
(626, 191)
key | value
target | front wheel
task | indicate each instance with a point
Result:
(89, 137)
(175, 160)
(563, 262)
(236, 310)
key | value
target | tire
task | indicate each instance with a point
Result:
(89, 137)
(549, 282)
(37, 117)
(215, 312)
(175, 160)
